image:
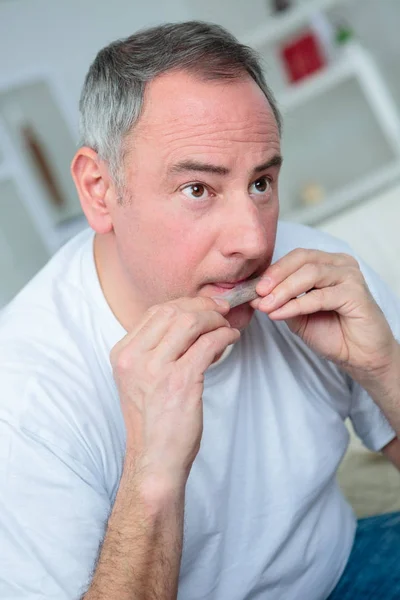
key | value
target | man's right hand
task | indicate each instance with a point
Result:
(159, 370)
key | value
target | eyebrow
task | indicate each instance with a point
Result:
(190, 165)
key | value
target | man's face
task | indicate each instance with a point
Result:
(200, 206)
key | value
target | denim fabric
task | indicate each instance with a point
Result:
(373, 569)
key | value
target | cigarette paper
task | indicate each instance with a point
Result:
(243, 292)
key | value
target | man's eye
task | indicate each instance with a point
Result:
(196, 190)
(261, 186)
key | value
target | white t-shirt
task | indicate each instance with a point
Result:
(264, 517)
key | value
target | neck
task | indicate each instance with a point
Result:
(114, 282)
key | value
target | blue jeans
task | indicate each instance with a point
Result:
(373, 569)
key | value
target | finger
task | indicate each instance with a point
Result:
(294, 260)
(184, 331)
(317, 300)
(255, 303)
(241, 293)
(202, 303)
(307, 277)
(157, 319)
(207, 347)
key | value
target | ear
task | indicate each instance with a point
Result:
(95, 188)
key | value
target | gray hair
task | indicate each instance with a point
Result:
(113, 91)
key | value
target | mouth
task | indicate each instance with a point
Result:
(222, 286)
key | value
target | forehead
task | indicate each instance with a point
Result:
(183, 111)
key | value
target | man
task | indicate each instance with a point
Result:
(154, 443)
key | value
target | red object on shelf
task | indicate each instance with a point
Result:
(302, 57)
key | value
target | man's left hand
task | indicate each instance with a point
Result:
(325, 300)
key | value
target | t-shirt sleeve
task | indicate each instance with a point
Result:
(53, 509)
(368, 420)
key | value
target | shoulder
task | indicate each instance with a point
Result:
(47, 358)
(44, 318)
(294, 235)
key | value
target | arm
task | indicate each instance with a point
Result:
(54, 508)
(141, 553)
(326, 300)
(384, 387)
(385, 391)
(159, 369)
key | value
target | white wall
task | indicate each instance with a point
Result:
(241, 17)
(57, 39)
(376, 23)
(62, 37)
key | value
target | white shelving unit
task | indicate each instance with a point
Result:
(286, 23)
(352, 63)
(347, 197)
(29, 234)
(357, 64)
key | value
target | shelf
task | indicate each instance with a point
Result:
(348, 196)
(354, 61)
(350, 62)
(283, 25)
(319, 83)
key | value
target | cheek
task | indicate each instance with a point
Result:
(162, 253)
(182, 249)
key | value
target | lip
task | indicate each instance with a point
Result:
(229, 285)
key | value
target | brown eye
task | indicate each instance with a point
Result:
(196, 191)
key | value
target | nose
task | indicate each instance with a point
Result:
(245, 229)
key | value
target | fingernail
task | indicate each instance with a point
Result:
(222, 302)
(265, 282)
(268, 300)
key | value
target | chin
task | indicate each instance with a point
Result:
(240, 316)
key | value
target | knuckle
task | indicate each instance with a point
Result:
(355, 264)
(207, 303)
(302, 253)
(168, 310)
(116, 350)
(349, 259)
(319, 298)
(208, 342)
(312, 269)
(354, 274)
(189, 321)
(114, 355)
(123, 362)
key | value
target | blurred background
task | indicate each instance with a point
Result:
(334, 68)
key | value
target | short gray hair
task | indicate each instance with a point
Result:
(113, 91)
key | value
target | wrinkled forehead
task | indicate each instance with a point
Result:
(181, 104)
